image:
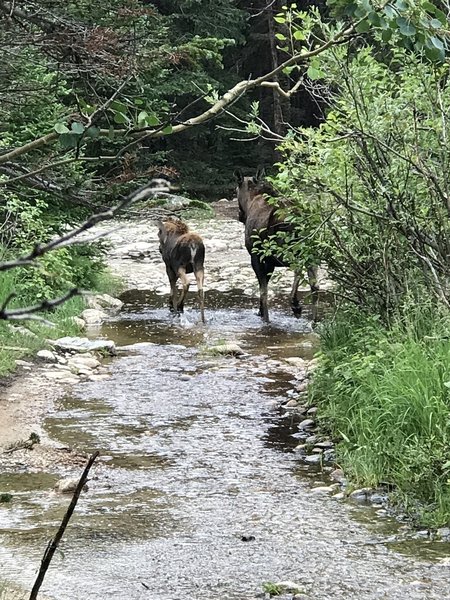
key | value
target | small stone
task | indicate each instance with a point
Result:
(291, 404)
(23, 363)
(78, 344)
(312, 410)
(185, 377)
(301, 448)
(326, 445)
(360, 495)
(93, 316)
(338, 475)
(317, 451)
(296, 361)
(444, 533)
(46, 355)
(378, 498)
(227, 349)
(68, 486)
(311, 439)
(306, 424)
(424, 533)
(322, 490)
(101, 377)
(339, 496)
(79, 322)
(313, 459)
(79, 362)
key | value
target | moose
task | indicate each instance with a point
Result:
(183, 252)
(262, 222)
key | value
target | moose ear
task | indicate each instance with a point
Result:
(260, 173)
(239, 176)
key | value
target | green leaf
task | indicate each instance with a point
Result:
(279, 19)
(142, 117)
(401, 5)
(386, 35)
(313, 73)
(447, 384)
(138, 101)
(167, 130)
(152, 120)
(61, 128)
(389, 11)
(280, 36)
(363, 26)
(93, 132)
(117, 106)
(299, 35)
(77, 128)
(437, 43)
(435, 24)
(120, 118)
(68, 140)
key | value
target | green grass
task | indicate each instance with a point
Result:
(15, 345)
(385, 394)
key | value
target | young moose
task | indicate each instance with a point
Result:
(183, 252)
(261, 220)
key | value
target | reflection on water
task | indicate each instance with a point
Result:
(194, 458)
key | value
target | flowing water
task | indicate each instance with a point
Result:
(195, 461)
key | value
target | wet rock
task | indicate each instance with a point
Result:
(329, 455)
(326, 445)
(360, 495)
(23, 363)
(92, 316)
(68, 486)
(301, 449)
(378, 498)
(62, 376)
(444, 533)
(313, 459)
(185, 377)
(80, 361)
(338, 475)
(79, 344)
(105, 302)
(339, 496)
(289, 587)
(20, 330)
(248, 538)
(99, 377)
(79, 322)
(306, 424)
(322, 489)
(423, 534)
(135, 347)
(312, 410)
(46, 355)
(291, 404)
(227, 349)
(296, 361)
(317, 451)
(311, 439)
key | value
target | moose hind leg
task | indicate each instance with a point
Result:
(312, 278)
(293, 297)
(199, 277)
(185, 283)
(263, 277)
(173, 288)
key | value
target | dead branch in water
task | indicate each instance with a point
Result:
(54, 543)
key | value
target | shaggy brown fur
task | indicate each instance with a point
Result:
(261, 219)
(183, 252)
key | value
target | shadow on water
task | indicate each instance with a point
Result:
(195, 458)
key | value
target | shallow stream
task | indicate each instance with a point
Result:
(195, 460)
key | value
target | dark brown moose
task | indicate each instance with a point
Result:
(183, 252)
(262, 222)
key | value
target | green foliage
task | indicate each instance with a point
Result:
(368, 184)
(385, 395)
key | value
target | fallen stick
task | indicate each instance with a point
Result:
(54, 543)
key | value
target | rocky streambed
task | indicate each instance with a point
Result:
(212, 480)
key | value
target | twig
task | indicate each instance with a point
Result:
(54, 543)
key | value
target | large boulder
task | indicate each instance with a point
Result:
(105, 302)
(79, 344)
(93, 316)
